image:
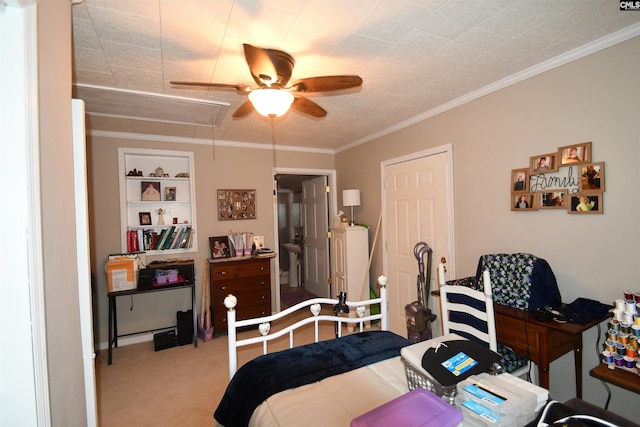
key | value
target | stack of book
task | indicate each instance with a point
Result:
(172, 237)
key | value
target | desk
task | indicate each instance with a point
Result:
(619, 377)
(144, 288)
(541, 341)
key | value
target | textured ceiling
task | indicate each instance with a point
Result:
(417, 58)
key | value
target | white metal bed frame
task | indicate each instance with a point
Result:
(315, 307)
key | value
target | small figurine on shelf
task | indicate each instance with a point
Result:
(160, 218)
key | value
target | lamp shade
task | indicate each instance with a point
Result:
(351, 197)
(271, 102)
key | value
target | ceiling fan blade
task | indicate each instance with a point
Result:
(223, 86)
(243, 110)
(308, 107)
(262, 68)
(326, 83)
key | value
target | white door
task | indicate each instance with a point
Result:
(316, 243)
(418, 204)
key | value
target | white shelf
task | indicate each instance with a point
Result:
(183, 208)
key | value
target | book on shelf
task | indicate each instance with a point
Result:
(169, 239)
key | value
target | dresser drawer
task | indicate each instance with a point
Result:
(236, 270)
(236, 286)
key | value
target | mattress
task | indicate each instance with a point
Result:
(336, 400)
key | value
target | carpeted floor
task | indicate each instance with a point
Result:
(292, 298)
(179, 386)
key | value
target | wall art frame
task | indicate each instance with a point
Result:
(531, 204)
(550, 163)
(235, 204)
(552, 199)
(591, 177)
(575, 154)
(585, 203)
(520, 180)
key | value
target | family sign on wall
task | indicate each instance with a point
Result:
(567, 179)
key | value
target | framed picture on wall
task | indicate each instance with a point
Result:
(520, 180)
(575, 154)
(554, 199)
(170, 194)
(523, 202)
(585, 203)
(544, 163)
(591, 177)
(236, 204)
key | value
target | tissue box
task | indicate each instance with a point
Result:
(166, 277)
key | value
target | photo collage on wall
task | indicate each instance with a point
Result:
(567, 179)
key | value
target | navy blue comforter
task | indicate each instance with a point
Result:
(266, 375)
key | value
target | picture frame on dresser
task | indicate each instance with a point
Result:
(219, 247)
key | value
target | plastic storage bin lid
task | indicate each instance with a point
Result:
(418, 408)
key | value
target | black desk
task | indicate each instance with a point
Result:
(113, 319)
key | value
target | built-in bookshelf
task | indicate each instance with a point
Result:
(157, 201)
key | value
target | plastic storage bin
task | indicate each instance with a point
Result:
(486, 400)
(418, 408)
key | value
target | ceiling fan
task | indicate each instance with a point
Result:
(271, 69)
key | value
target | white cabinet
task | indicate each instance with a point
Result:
(350, 261)
(157, 201)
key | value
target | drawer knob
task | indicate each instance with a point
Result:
(224, 287)
(222, 273)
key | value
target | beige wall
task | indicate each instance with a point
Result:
(64, 355)
(593, 256)
(219, 167)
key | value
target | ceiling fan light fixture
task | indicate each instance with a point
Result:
(271, 103)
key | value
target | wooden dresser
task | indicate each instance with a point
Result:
(249, 279)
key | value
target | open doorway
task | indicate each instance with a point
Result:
(303, 206)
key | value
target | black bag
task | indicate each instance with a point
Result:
(453, 361)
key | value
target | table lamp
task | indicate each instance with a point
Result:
(351, 198)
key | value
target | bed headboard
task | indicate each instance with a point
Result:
(315, 308)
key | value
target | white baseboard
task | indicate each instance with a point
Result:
(133, 339)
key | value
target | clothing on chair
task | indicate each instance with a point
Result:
(520, 280)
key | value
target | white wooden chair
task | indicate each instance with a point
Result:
(469, 313)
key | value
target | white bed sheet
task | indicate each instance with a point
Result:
(336, 400)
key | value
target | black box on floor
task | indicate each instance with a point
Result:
(185, 327)
(164, 340)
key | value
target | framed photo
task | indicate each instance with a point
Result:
(585, 203)
(591, 177)
(236, 204)
(574, 154)
(219, 247)
(150, 191)
(552, 199)
(145, 218)
(524, 202)
(544, 163)
(520, 180)
(170, 194)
